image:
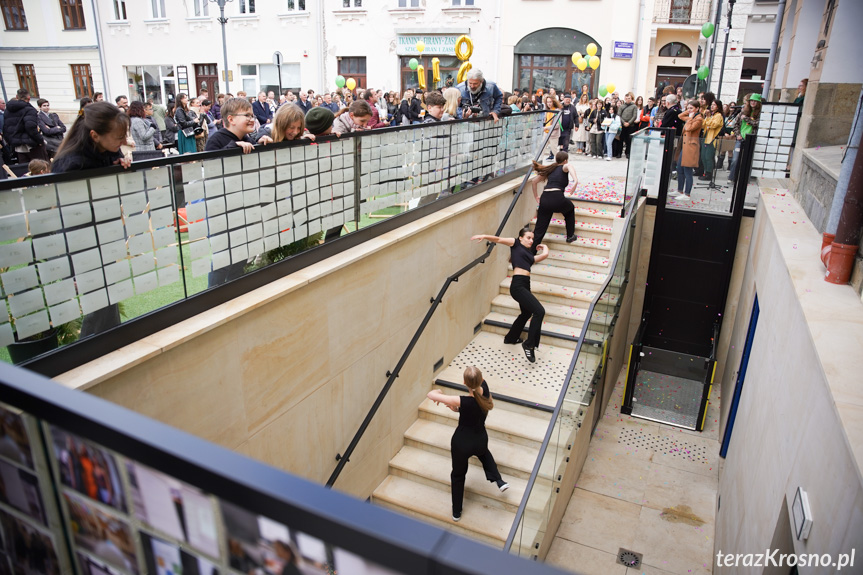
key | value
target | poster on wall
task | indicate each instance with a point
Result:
(173, 507)
(29, 550)
(165, 558)
(14, 440)
(92, 566)
(19, 489)
(100, 534)
(88, 469)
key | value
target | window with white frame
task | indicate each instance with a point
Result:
(409, 3)
(120, 10)
(256, 78)
(296, 5)
(247, 6)
(352, 3)
(462, 2)
(200, 8)
(157, 9)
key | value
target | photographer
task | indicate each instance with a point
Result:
(480, 97)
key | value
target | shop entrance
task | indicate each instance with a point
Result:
(543, 60)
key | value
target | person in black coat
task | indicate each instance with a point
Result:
(51, 126)
(671, 118)
(262, 110)
(304, 103)
(21, 129)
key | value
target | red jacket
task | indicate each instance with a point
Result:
(376, 118)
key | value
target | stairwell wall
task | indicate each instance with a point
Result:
(287, 373)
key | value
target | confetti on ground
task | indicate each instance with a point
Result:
(602, 190)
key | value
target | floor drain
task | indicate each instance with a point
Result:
(628, 558)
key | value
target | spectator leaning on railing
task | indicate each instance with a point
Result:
(480, 96)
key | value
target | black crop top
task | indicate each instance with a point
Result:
(558, 179)
(520, 256)
(470, 414)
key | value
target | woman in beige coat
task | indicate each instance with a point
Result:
(691, 149)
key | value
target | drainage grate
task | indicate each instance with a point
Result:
(629, 558)
(664, 445)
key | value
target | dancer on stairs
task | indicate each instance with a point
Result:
(470, 437)
(522, 258)
(556, 176)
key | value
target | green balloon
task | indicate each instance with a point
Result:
(603, 91)
(340, 81)
(413, 63)
(703, 72)
(707, 29)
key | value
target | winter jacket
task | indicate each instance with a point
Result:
(22, 124)
(375, 122)
(671, 119)
(628, 113)
(343, 124)
(712, 125)
(52, 129)
(489, 98)
(262, 112)
(691, 141)
(142, 132)
(185, 118)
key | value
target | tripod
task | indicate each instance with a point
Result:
(711, 185)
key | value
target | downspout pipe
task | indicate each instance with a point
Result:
(101, 49)
(497, 16)
(774, 47)
(638, 39)
(842, 237)
(716, 21)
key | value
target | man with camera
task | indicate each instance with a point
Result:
(480, 97)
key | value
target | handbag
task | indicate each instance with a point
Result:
(192, 131)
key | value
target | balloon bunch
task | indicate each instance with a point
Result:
(463, 51)
(582, 62)
(350, 83)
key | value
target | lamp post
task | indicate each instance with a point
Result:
(725, 48)
(223, 21)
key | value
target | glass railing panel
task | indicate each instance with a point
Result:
(82, 253)
(697, 181)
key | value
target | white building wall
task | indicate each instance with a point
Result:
(844, 64)
(51, 50)
(181, 39)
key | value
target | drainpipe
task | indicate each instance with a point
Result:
(774, 46)
(3, 86)
(322, 67)
(497, 40)
(638, 38)
(841, 240)
(99, 48)
(716, 20)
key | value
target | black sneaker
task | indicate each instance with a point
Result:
(519, 340)
(456, 516)
(529, 353)
(571, 238)
(503, 486)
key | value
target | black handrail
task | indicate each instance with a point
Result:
(392, 375)
(519, 514)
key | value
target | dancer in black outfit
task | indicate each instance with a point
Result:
(522, 259)
(470, 437)
(556, 177)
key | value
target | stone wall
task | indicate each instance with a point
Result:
(815, 189)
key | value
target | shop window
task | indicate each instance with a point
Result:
(27, 79)
(13, 14)
(156, 83)
(675, 50)
(82, 79)
(449, 66)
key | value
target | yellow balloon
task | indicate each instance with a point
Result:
(581, 64)
(421, 77)
(351, 83)
(610, 87)
(591, 49)
(421, 46)
(462, 72)
(576, 57)
(594, 62)
(463, 48)
(435, 70)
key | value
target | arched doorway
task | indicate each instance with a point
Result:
(543, 59)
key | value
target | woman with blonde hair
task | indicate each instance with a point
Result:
(552, 105)
(470, 437)
(452, 110)
(289, 123)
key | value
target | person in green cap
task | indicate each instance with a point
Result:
(745, 125)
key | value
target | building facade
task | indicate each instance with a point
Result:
(50, 47)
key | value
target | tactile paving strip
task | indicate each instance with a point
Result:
(498, 364)
(664, 445)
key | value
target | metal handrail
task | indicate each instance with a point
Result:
(392, 375)
(544, 446)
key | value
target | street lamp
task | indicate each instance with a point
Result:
(725, 48)
(223, 21)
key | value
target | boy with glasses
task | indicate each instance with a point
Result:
(238, 123)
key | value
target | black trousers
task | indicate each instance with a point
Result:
(465, 443)
(626, 136)
(549, 204)
(530, 306)
(563, 140)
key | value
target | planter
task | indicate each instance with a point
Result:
(21, 351)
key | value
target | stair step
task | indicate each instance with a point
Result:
(583, 245)
(502, 402)
(552, 273)
(564, 295)
(507, 426)
(433, 470)
(578, 261)
(512, 460)
(605, 208)
(565, 335)
(557, 313)
(582, 228)
(478, 521)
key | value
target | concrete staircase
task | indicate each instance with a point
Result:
(419, 484)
